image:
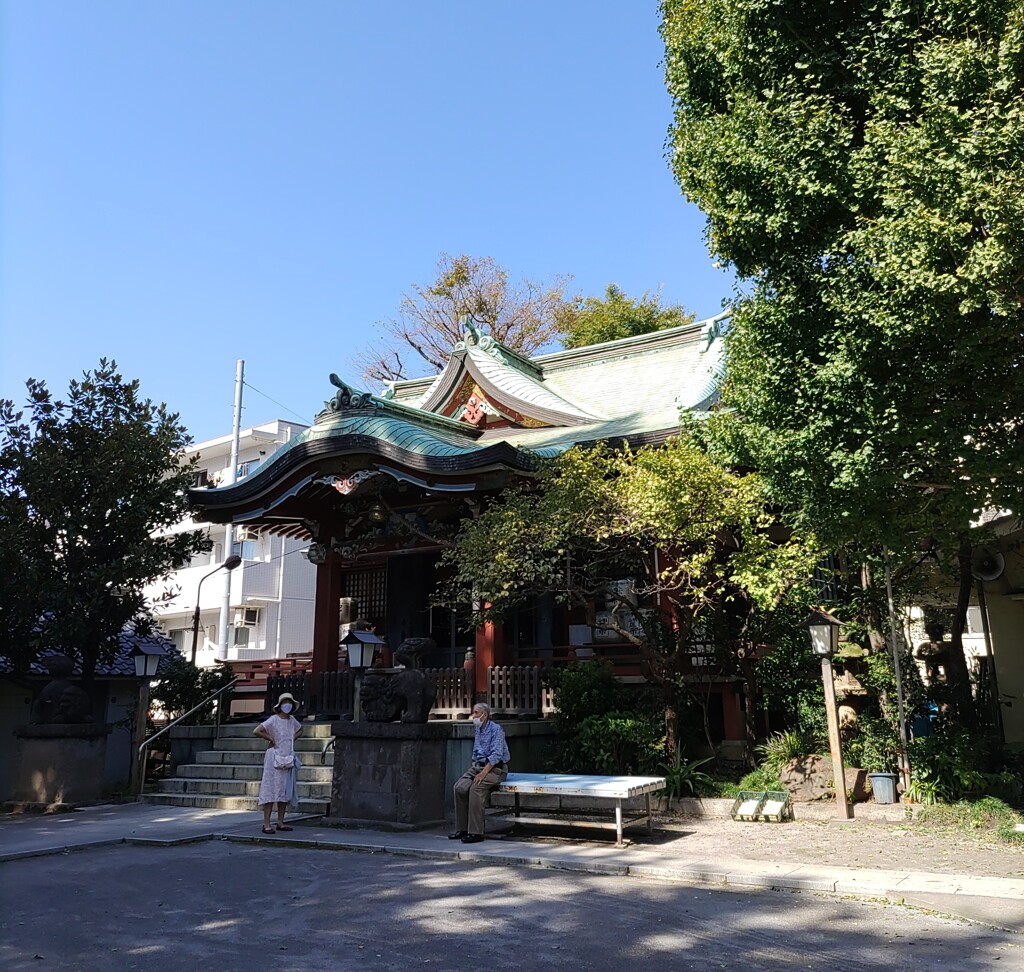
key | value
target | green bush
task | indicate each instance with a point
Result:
(781, 747)
(183, 685)
(616, 743)
(761, 778)
(583, 690)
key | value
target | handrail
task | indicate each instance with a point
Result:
(143, 755)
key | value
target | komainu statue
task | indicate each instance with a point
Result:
(61, 702)
(405, 695)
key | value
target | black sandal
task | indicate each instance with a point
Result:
(269, 831)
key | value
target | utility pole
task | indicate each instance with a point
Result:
(229, 533)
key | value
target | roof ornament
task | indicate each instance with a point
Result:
(389, 390)
(347, 397)
(476, 338)
(714, 328)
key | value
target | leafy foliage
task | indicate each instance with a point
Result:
(685, 777)
(781, 747)
(596, 515)
(521, 315)
(616, 743)
(86, 485)
(595, 319)
(861, 167)
(183, 685)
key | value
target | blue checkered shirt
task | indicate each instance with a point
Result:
(489, 744)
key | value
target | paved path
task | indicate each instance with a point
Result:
(719, 853)
(235, 907)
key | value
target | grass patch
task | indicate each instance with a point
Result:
(985, 814)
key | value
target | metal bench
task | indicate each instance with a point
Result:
(606, 788)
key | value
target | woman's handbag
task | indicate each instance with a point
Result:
(283, 762)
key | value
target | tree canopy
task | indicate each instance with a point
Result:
(87, 483)
(861, 166)
(594, 320)
(698, 543)
(522, 315)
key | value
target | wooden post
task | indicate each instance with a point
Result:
(832, 711)
(326, 616)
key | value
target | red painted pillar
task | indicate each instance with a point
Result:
(326, 616)
(732, 715)
(490, 651)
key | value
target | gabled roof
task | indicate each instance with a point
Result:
(422, 430)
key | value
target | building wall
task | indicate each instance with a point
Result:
(1006, 617)
(15, 703)
(274, 577)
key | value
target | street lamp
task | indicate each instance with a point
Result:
(824, 632)
(361, 645)
(230, 564)
(147, 661)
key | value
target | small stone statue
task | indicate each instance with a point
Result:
(404, 695)
(61, 701)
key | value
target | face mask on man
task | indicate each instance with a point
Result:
(286, 707)
(477, 722)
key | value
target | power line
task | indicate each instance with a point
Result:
(277, 403)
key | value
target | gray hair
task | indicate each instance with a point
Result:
(483, 707)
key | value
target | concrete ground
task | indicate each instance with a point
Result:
(237, 906)
(944, 872)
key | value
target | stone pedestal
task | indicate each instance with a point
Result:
(61, 763)
(389, 775)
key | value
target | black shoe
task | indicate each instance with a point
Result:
(472, 838)
(458, 835)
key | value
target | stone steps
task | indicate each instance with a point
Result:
(317, 807)
(228, 771)
(238, 788)
(227, 777)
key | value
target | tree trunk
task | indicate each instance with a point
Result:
(958, 674)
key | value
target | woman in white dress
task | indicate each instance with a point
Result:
(280, 731)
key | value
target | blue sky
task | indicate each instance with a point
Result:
(183, 184)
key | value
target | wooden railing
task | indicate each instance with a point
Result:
(514, 690)
(454, 688)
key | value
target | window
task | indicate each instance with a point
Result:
(241, 638)
(246, 549)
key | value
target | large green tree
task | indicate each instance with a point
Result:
(88, 485)
(861, 165)
(593, 320)
(707, 568)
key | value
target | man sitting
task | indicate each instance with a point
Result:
(489, 769)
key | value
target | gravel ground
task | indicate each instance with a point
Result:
(855, 843)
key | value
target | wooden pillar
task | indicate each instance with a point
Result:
(732, 717)
(843, 807)
(490, 651)
(326, 616)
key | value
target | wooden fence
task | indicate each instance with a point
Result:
(514, 690)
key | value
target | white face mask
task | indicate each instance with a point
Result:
(477, 722)
(286, 707)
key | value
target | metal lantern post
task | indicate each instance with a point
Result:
(230, 564)
(361, 646)
(147, 661)
(824, 631)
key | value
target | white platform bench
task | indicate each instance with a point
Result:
(610, 789)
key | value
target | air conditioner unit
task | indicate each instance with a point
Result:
(247, 617)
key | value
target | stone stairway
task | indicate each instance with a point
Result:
(227, 777)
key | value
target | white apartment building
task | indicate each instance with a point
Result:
(270, 611)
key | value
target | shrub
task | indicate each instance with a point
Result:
(183, 685)
(617, 743)
(781, 747)
(583, 690)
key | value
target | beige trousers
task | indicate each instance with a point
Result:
(471, 798)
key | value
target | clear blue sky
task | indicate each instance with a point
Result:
(187, 183)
